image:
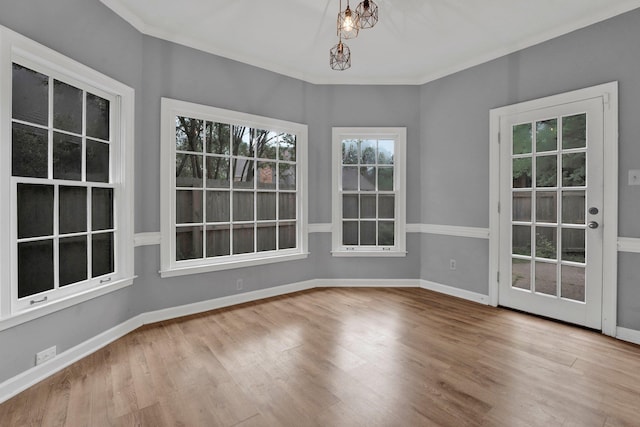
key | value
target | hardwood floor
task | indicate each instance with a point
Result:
(346, 357)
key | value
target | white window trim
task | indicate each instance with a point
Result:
(399, 134)
(169, 266)
(15, 46)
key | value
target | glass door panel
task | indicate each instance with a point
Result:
(573, 282)
(546, 278)
(549, 181)
(521, 273)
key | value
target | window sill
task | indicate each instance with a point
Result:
(365, 253)
(57, 305)
(205, 268)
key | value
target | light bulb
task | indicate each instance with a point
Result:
(348, 21)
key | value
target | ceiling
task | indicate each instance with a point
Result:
(415, 41)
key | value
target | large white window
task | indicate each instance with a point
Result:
(369, 191)
(66, 144)
(233, 189)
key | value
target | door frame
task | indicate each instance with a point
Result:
(609, 94)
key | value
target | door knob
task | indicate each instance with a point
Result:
(593, 224)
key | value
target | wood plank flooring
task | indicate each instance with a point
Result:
(345, 357)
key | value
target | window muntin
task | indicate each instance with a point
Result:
(369, 191)
(236, 185)
(67, 164)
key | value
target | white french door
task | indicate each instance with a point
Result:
(552, 210)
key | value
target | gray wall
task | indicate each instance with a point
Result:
(447, 138)
(155, 69)
(455, 143)
(103, 41)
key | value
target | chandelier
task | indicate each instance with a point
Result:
(349, 23)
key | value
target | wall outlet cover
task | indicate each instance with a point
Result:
(45, 355)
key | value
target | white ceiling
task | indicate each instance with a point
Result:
(416, 41)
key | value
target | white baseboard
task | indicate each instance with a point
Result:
(367, 283)
(403, 283)
(212, 304)
(26, 379)
(456, 292)
(630, 335)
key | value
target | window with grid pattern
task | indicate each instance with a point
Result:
(63, 143)
(369, 194)
(236, 187)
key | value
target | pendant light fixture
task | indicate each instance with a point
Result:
(340, 57)
(368, 12)
(348, 23)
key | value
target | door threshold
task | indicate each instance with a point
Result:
(586, 328)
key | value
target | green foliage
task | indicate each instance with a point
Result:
(266, 143)
(546, 171)
(522, 172)
(521, 241)
(287, 147)
(545, 248)
(547, 135)
(574, 131)
(218, 136)
(350, 150)
(573, 164)
(226, 140)
(522, 137)
(357, 151)
(574, 171)
(368, 150)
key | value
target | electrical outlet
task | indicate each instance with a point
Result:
(45, 355)
(452, 264)
(634, 177)
(239, 284)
